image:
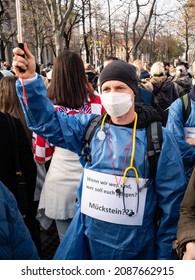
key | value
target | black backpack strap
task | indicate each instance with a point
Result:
(154, 143)
(186, 106)
(93, 125)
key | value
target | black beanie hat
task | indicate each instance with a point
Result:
(120, 71)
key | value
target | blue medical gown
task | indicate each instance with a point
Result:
(176, 125)
(15, 239)
(90, 238)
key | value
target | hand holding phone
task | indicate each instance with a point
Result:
(27, 63)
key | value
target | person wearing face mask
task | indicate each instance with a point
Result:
(117, 200)
(184, 130)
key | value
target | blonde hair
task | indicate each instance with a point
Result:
(157, 69)
(137, 70)
(139, 64)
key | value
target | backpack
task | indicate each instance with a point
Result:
(154, 142)
(186, 106)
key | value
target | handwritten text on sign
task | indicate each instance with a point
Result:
(99, 199)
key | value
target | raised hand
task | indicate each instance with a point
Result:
(25, 60)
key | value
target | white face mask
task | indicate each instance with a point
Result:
(116, 104)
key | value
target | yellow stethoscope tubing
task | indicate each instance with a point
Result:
(130, 167)
(103, 122)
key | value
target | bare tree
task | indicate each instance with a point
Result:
(137, 40)
(186, 26)
(110, 28)
(111, 22)
(98, 34)
(135, 21)
(126, 34)
(2, 10)
(85, 32)
(159, 39)
(7, 29)
(39, 27)
(73, 21)
(59, 14)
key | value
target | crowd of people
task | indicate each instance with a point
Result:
(84, 153)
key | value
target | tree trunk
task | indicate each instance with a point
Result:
(2, 50)
(59, 20)
(110, 29)
(137, 41)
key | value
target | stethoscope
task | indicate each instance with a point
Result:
(101, 136)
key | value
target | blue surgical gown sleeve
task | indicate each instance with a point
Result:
(43, 119)
(170, 185)
(176, 125)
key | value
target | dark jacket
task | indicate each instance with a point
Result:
(186, 224)
(28, 167)
(7, 159)
(92, 78)
(15, 239)
(164, 94)
(145, 95)
(183, 85)
(164, 91)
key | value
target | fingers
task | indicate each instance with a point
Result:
(27, 52)
(16, 64)
(25, 60)
(18, 51)
(19, 60)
